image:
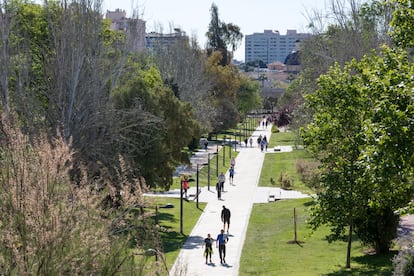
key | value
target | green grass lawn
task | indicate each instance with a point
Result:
(169, 221)
(267, 249)
(283, 162)
(282, 139)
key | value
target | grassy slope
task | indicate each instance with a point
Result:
(169, 220)
(267, 250)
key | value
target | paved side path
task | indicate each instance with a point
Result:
(239, 199)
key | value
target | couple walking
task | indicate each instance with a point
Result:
(221, 240)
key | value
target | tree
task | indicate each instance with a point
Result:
(248, 97)
(221, 36)
(183, 68)
(157, 148)
(226, 82)
(402, 23)
(360, 132)
(354, 29)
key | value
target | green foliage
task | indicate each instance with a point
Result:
(221, 36)
(402, 23)
(275, 129)
(248, 97)
(361, 132)
(165, 141)
(226, 83)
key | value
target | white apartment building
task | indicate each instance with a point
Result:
(271, 46)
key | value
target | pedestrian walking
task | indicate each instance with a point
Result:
(262, 144)
(221, 242)
(246, 141)
(225, 218)
(208, 247)
(218, 189)
(185, 186)
(266, 143)
(259, 140)
(231, 175)
(221, 180)
(233, 162)
(251, 142)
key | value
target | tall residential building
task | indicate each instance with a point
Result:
(271, 46)
(134, 28)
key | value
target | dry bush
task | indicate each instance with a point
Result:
(48, 225)
(285, 181)
(309, 173)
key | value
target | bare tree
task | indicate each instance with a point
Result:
(349, 29)
(182, 67)
(7, 16)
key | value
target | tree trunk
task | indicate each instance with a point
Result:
(348, 252)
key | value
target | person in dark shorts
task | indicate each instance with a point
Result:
(225, 218)
(208, 247)
(231, 175)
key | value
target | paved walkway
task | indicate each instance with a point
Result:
(239, 199)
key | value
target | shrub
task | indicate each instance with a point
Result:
(285, 181)
(309, 174)
(403, 262)
(49, 225)
(275, 129)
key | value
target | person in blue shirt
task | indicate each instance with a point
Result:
(221, 241)
(231, 174)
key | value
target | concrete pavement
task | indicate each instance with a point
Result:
(239, 199)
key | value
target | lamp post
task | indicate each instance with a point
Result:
(208, 171)
(197, 192)
(181, 206)
(235, 142)
(217, 160)
(224, 151)
(240, 136)
(245, 129)
(230, 148)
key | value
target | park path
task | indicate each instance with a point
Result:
(239, 199)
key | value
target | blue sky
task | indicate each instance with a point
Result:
(193, 16)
